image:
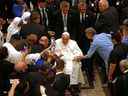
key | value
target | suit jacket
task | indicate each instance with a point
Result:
(108, 21)
(61, 83)
(43, 19)
(72, 24)
(123, 14)
(88, 21)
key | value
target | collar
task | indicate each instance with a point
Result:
(126, 71)
(82, 13)
(64, 14)
(57, 73)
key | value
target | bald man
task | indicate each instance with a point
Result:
(69, 50)
(107, 19)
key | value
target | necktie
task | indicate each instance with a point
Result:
(82, 18)
(46, 16)
(41, 16)
(73, 2)
(65, 22)
(97, 18)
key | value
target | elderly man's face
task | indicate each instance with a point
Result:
(65, 39)
(103, 4)
(82, 7)
(65, 9)
(42, 4)
(44, 41)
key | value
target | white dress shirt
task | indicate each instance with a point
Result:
(65, 22)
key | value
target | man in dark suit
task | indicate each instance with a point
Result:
(45, 14)
(66, 20)
(107, 20)
(86, 19)
(52, 5)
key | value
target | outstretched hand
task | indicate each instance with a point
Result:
(78, 58)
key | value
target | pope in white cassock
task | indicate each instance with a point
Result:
(69, 50)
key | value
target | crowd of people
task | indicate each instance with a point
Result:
(48, 47)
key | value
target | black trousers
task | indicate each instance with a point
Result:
(101, 68)
(87, 66)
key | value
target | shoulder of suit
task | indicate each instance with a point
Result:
(109, 10)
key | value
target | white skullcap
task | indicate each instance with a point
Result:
(66, 33)
(26, 15)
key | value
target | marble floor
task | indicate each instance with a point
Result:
(97, 91)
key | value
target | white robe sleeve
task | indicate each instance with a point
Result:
(31, 58)
(77, 51)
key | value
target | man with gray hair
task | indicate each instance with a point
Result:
(66, 20)
(102, 44)
(69, 51)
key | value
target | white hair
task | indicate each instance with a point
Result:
(66, 33)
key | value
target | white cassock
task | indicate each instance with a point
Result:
(69, 52)
(14, 56)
